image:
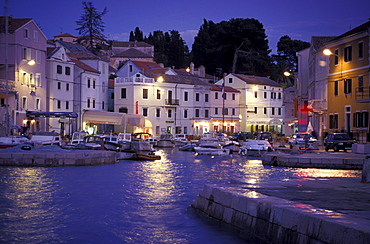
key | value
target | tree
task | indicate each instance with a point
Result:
(286, 58)
(137, 35)
(91, 28)
(238, 45)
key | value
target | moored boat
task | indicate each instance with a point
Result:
(212, 150)
(166, 140)
(11, 141)
(255, 148)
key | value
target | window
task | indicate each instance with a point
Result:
(233, 111)
(333, 121)
(58, 104)
(273, 111)
(68, 71)
(255, 94)
(206, 98)
(226, 111)
(36, 35)
(224, 95)
(24, 103)
(130, 68)
(233, 97)
(169, 113)
(230, 80)
(93, 103)
(360, 84)
(26, 33)
(38, 80)
(186, 96)
(265, 95)
(158, 94)
(197, 113)
(197, 97)
(185, 113)
(360, 50)
(145, 93)
(279, 111)
(255, 110)
(59, 69)
(88, 102)
(216, 95)
(216, 110)
(145, 112)
(59, 85)
(123, 110)
(102, 105)
(336, 88)
(24, 78)
(336, 57)
(38, 57)
(264, 110)
(279, 95)
(206, 113)
(347, 86)
(123, 93)
(94, 83)
(348, 54)
(67, 104)
(37, 104)
(67, 87)
(88, 83)
(103, 86)
(158, 113)
(26, 54)
(361, 119)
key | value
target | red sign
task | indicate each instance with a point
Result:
(137, 107)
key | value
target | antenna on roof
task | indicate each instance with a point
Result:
(61, 30)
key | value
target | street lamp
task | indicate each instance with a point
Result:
(327, 52)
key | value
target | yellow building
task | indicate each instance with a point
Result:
(348, 82)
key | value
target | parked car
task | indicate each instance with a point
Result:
(338, 141)
(240, 136)
(302, 139)
(263, 136)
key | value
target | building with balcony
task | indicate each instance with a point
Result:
(348, 82)
(25, 80)
(261, 102)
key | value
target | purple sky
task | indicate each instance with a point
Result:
(297, 19)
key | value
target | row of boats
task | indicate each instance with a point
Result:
(140, 146)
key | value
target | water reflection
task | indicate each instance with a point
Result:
(28, 192)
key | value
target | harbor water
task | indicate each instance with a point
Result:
(127, 202)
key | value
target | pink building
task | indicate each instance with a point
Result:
(27, 86)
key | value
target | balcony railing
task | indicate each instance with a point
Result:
(318, 104)
(132, 80)
(11, 85)
(363, 94)
(172, 102)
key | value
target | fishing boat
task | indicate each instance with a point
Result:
(180, 140)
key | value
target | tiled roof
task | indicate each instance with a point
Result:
(147, 66)
(82, 55)
(219, 88)
(130, 44)
(179, 79)
(83, 65)
(132, 53)
(51, 50)
(257, 80)
(65, 35)
(14, 23)
(319, 41)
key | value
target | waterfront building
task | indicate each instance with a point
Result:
(60, 79)
(261, 102)
(348, 83)
(23, 75)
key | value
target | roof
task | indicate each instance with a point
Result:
(147, 66)
(51, 50)
(257, 80)
(179, 79)
(319, 41)
(130, 44)
(14, 23)
(83, 65)
(360, 28)
(76, 48)
(132, 53)
(215, 87)
(64, 35)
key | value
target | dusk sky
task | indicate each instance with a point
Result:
(298, 19)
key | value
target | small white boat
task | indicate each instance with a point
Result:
(11, 141)
(166, 140)
(180, 140)
(78, 137)
(212, 150)
(255, 147)
(152, 141)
